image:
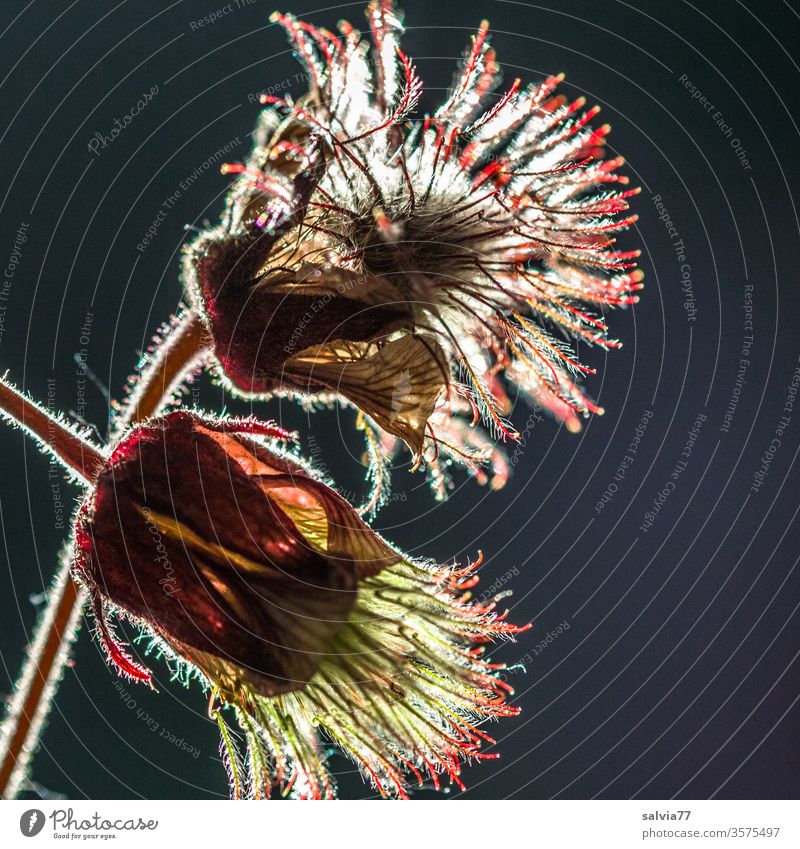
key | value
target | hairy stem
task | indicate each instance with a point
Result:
(65, 444)
(41, 673)
(161, 375)
(163, 372)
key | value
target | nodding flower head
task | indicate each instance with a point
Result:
(414, 266)
(210, 538)
(251, 573)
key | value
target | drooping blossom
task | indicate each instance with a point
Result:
(250, 573)
(413, 265)
(189, 530)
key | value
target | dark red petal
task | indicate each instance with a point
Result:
(182, 537)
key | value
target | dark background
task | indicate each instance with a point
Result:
(678, 675)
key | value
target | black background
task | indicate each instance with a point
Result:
(678, 675)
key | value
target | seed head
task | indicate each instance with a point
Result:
(458, 256)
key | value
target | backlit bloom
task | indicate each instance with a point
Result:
(412, 267)
(250, 573)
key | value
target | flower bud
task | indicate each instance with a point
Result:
(229, 551)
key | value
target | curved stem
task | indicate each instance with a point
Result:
(41, 673)
(163, 371)
(69, 447)
(161, 375)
